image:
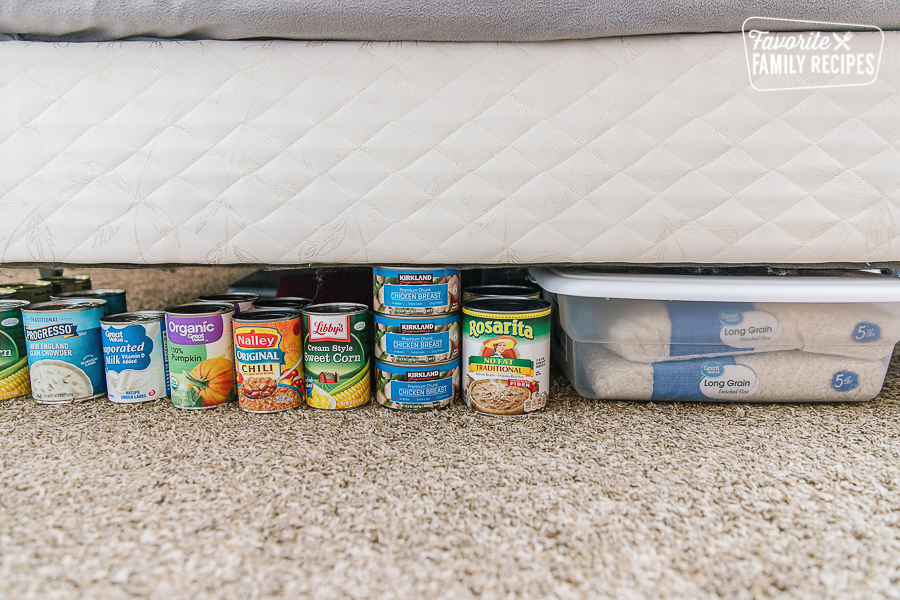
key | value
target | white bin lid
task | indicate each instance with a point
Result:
(702, 288)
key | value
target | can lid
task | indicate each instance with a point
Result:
(336, 308)
(28, 285)
(445, 365)
(98, 293)
(506, 305)
(282, 302)
(199, 309)
(228, 297)
(67, 278)
(267, 315)
(72, 304)
(10, 304)
(502, 290)
(137, 317)
(436, 319)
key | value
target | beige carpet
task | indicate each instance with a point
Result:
(591, 500)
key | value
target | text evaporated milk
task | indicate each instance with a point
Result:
(201, 354)
(336, 350)
(506, 355)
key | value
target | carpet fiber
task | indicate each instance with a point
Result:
(591, 500)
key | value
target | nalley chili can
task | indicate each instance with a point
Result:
(268, 355)
(506, 355)
(201, 354)
(337, 347)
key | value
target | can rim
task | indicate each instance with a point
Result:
(10, 303)
(95, 293)
(335, 308)
(486, 305)
(137, 317)
(228, 296)
(211, 309)
(69, 305)
(286, 314)
(67, 278)
(27, 285)
(259, 302)
(419, 367)
(478, 290)
(407, 268)
(423, 318)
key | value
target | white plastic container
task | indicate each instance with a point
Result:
(711, 338)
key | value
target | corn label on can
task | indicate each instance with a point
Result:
(269, 360)
(336, 355)
(506, 355)
(14, 381)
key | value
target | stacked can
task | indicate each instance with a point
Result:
(417, 337)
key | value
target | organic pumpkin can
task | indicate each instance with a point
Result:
(269, 358)
(336, 348)
(201, 354)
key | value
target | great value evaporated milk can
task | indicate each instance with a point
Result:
(416, 388)
(65, 351)
(134, 349)
(14, 380)
(241, 301)
(416, 340)
(506, 354)
(336, 349)
(201, 354)
(115, 299)
(415, 291)
(268, 353)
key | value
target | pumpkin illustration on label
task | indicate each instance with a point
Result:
(212, 381)
(504, 347)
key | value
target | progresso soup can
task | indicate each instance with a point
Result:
(68, 283)
(201, 354)
(115, 299)
(268, 354)
(416, 340)
(65, 350)
(415, 291)
(506, 355)
(282, 302)
(241, 301)
(33, 291)
(490, 291)
(416, 388)
(336, 347)
(14, 381)
(134, 349)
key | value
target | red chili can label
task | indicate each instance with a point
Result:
(268, 354)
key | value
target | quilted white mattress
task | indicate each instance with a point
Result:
(652, 149)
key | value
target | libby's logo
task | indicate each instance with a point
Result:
(262, 337)
(66, 330)
(332, 328)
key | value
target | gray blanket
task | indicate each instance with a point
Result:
(465, 20)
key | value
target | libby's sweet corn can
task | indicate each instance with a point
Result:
(337, 346)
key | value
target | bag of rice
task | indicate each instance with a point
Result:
(657, 330)
(786, 376)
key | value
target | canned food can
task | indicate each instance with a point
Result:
(14, 380)
(241, 301)
(7, 293)
(416, 388)
(65, 350)
(268, 354)
(506, 355)
(33, 291)
(412, 291)
(68, 283)
(416, 340)
(282, 302)
(201, 354)
(489, 291)
(336, 347)
(115, 299)
(134, 350)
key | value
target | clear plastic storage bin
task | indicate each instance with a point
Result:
(715, 338)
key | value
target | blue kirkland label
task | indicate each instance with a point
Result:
(422, 391)
(416, 296)
(416, 388)
(65, 354)
(136, 367)
(417, 345)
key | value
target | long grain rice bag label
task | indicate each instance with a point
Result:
(506, 357)
(700, 328)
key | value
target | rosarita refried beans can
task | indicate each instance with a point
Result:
(337, 346)
(268, 354)
(201, 354)
(506, 355)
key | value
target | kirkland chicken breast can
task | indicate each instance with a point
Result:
(415, 291)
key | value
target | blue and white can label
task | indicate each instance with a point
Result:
(134, 348)
(65, 352)
(416, 388)
(415, 291)
(416, 340)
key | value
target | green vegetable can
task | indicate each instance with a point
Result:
(14, 380)
(201, 354)
(336, 355)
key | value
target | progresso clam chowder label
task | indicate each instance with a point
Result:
(706, 328)
(415, 291)
(416, 340)
(65, 351)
